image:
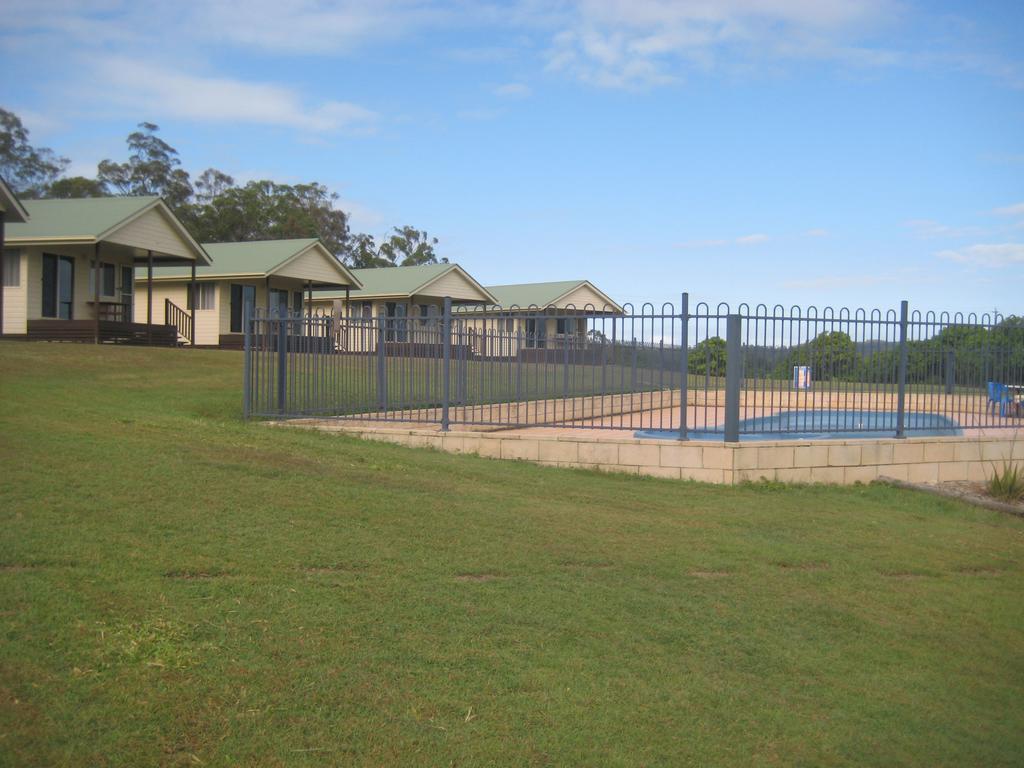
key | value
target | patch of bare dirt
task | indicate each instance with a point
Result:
(189, 575)
(814, 565)
(334, 568)
(709, 574)
(977, 493)
(980, 570)
(903, 575)
(478, 577)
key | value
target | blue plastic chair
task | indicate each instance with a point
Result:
(998, 395)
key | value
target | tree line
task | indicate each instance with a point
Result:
(212, 205)
(966, 354)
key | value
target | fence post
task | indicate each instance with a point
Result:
(446, 342)
(282, 359)
(247, 362)
(565, 367)
(733, 377)
(518, 364)
(382, 368)
(950, 371)
(632, 377)
(901, 380)
(684, 362)
(462, 365)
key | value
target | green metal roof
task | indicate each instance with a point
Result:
(255, 257)
(532, 294)
(396, 281)
(85, 218)
(243, 258)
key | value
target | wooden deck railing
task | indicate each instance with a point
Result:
(180, 319)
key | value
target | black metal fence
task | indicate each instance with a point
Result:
(700, 371)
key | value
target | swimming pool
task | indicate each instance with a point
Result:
(823, 425)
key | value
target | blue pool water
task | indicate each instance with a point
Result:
(823, 425)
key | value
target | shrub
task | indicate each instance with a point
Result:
(1007, 483)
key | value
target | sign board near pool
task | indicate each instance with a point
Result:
(801, 377)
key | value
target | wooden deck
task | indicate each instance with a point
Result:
(111, 332)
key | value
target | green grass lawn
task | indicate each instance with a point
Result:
(178, 587)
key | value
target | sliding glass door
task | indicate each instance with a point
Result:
(58, 286)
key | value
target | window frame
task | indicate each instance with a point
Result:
(11, 264)
(202, 291)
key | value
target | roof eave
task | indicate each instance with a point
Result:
(202, 258)
(337, 265)
(487, 294)
(608, 299)
(11, 204)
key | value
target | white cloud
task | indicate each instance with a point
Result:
(643, 43)
(164, 92)
(928, 229)
(755, 239)
(1010, 210)
(309, 26)
(362, 217)
(513, 90)
(986, 255)
(816, 232)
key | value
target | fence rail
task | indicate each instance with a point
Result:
(699, 370)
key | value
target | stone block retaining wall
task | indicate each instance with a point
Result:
(915, 459)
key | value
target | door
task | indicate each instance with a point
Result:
(396, 328)
(128, 294)
(536, 332)
(241, 296)
(58, 286)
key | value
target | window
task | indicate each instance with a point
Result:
(12, 269)
(367, 310)
(424, 313)
(297, 301)
(108, 274)
(58, 286)
(108, 285)
(565, 325)
(241, 296)
(277, 301)
(510, 325)
(127, 280)
(205, 296)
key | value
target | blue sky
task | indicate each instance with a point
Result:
(794, 151)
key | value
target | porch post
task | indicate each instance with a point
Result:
(149, 297)
(309, 299)
(3, 268)
(192, 311)
(96, 290)
(348, 303)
